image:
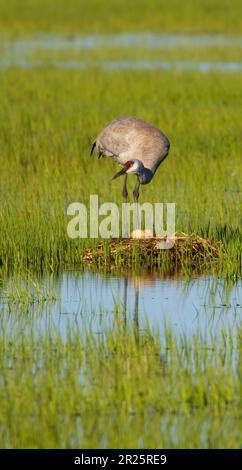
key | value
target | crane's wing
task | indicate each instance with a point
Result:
(128, 137)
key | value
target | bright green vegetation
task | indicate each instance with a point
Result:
(172, 55)
(123, 387)
(74, 16)
(48, 120)
(119, 389)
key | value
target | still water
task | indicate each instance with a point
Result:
(148, 39)
(25, 52)
(124, 65)
(207, 306)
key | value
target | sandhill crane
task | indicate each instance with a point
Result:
(137, 145)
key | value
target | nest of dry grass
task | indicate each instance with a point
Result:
(148, 252)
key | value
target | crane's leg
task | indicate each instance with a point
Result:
(136, 208)
(125, 191)
(136, 190)
(125, 228)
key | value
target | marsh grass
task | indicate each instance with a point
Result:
(139, 15)
(47, 125)
(49, 51)
(119, 387)
(190, 253)
(128, 389)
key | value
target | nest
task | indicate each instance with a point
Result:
(188, 249)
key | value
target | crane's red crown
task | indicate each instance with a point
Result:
(128, 164)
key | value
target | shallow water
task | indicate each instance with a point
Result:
(204, 305)
(19, 53)
(150, 40)
(126, 65)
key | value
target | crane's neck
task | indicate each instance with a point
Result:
(145, 175)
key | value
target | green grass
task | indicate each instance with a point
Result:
(48, 121)
(74, 16)
(125, 387)
(172, 55)
(120, 389)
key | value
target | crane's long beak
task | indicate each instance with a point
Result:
(120, 173)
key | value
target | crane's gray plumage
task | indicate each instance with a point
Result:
(135, 144)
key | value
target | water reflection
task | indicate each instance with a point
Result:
(206, 306)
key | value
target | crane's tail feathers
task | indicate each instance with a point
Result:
(93, 147)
